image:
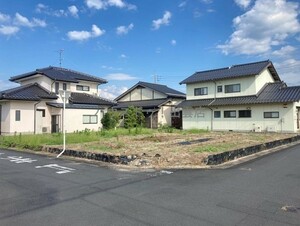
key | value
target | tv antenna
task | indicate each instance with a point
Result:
(60, 56)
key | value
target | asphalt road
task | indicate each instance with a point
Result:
(38, 190)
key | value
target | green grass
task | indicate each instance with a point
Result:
(35, 142)
(215, 148)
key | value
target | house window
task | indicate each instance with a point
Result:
(56, 87)
(217, 114)
(233, 88)
(245, 114)
(18, 115)
(64, 86)
(82, 88)
(90, 119)
(229, 114)
(200, 91)
(271, 114)
(219, 89)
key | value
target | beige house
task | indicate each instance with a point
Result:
(246, 97)
(158, 103)
(36, 106)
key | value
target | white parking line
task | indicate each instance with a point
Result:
(61, 169)
(19, 159)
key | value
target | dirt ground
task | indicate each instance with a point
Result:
(175, 150)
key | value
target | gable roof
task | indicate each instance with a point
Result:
(30, 92)
(276, 92)
(235, 71)
(145, 104)
(87, 99)
(60, 74)
(169, 92)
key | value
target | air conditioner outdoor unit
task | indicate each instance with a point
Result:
(44, 129)
(257, 129)
(271, 128)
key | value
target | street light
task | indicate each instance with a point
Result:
(65, 96)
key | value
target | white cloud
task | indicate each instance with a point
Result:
(123, 30)
(85, 35)
(73, 10)
(24, 21)
(123, 56)
(289, 71)
(112, 91)
(120, 77)
(104, 4)
(4, 18)
(110, 68)
(284, 51)
(263, 27)
(173, 42)
(243, 3)
(5, 85)
(40, 8)
(182, 4)
(8, 30)
(165, 20)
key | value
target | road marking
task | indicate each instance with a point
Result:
(19, 159)
(61, 169)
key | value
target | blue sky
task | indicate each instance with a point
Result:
(140, 40)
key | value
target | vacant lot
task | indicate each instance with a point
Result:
(177, 149)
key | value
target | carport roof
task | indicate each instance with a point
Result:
(145, 104)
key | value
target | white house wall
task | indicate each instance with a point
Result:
(74, 119)
(249, 86)
(142, 94)
(201, 118)
(93, 87)
(40, 79)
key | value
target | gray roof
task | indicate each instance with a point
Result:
(83, 98)
(241, 70)
(157, 87)
(60, 74)
(30, 92)
(276, 92)
(145, 104)
(74, 106)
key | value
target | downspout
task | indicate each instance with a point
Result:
(34, 117)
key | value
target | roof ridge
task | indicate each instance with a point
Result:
(101, 98)
(217, 69)
(258, 62)
(76, 72)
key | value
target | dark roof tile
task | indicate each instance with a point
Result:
(83, 98)
(234, 71)
(145, 104)
(60, 74)
(30, 92)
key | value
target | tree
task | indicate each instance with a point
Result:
(110, 119)
(133, 118)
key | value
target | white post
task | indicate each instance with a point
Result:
(64, 128)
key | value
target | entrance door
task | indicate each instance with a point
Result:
(55, 123)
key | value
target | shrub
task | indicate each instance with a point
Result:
(133, 118)
(110, 119)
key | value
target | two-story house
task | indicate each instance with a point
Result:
(37, 105)
(157, 101)
(246, 97)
